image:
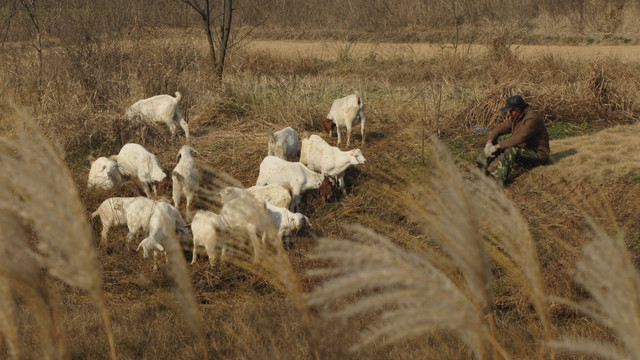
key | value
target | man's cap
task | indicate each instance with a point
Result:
(515, 102)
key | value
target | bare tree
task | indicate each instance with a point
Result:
(41, 21)
(5, 20)
(204, 9)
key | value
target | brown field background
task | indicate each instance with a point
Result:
(423, 69)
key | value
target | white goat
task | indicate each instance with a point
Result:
(112, 213)
(160, 109)
(286, 221)
(140, 211)
(104, 174)
(298, 177)
(185, 178)
(242, 212)
(329, 160)
(274, 194)
(138, 162)
(206, 226)
(347, 111)
(283, 144)
(162, 221)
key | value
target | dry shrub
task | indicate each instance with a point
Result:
(484, 111)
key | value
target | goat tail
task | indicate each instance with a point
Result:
(95, 213)
(178, 96)
(114, 158)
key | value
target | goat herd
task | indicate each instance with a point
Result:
(280, 184)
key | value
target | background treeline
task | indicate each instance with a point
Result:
(411, 20)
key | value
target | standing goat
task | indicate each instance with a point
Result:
(329, 160)
(112, 212)
(140, 163)
(347, 111)
(160, 109)
(185, 178)
(283, 144)
(206, 227)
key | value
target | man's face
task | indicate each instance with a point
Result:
(514, 114)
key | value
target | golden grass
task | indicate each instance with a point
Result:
(600, 157)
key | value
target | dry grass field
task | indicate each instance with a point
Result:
(423, 258)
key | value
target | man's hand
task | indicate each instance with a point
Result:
(493, 149)
(487, 149)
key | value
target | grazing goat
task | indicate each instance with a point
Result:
(140, 211)
(286, 221)
(329, 160)
(242, 212)
(283, 144)
(136, 161)
(348, 111)
(328, 126)
(161, 220)
(274, 194)
(185, 178)
(206, 227)
(298, 177)
(112, 213)
(160, 109)
(104, 174)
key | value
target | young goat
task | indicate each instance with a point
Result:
(161, 220)
(206, 227)
(104, 174)
(160, 109)
(283, 144)
(138, 162)
(329, 160)
(185, 178)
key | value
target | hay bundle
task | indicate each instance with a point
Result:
(485, 111)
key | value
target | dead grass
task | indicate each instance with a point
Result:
(253, 310)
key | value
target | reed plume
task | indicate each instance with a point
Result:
(608, 274)
(510, 243)
(416, 292)
(37, 190)
(271, 262)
